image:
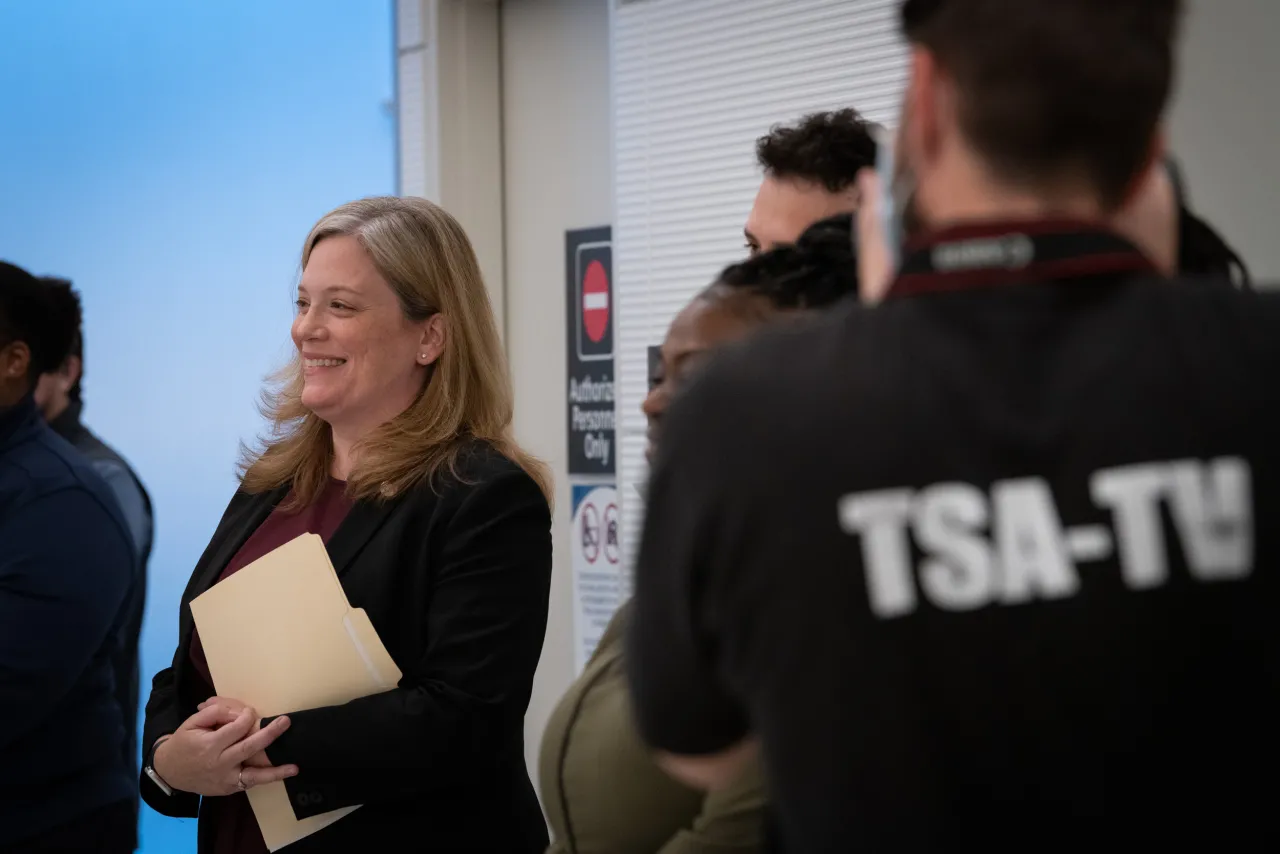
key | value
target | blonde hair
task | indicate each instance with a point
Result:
(424, 255)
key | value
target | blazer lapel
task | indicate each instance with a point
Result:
(236, 527)
(236, 530)
(362, 522)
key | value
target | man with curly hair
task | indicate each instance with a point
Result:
(809, 173)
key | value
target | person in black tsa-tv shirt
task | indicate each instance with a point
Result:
(990, 563)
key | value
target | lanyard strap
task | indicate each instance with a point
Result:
(986, 256)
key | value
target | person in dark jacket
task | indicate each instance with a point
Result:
(67, 574)
(58, 395)
(391, 442)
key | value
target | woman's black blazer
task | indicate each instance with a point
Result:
(455, 578)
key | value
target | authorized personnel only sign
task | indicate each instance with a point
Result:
(590, 323)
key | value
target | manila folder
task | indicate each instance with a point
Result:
(280, 636)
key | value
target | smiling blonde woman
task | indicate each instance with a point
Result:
(392, 441)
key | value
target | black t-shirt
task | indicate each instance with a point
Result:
(993, 563)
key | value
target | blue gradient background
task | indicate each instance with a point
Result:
(170, 157)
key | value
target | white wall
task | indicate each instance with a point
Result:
(450, 111)
(1225, 125)
(556, 119)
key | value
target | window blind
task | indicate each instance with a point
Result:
(695, 82)
(416, 99)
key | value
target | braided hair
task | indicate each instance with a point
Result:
(818, 270)
(1202, 251)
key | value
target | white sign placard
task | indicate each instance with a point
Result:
(597, 566)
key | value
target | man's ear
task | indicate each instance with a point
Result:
(433, 340)
(15, 361)
(920, 132)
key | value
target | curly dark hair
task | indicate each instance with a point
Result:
(826, 148)
(819, 270)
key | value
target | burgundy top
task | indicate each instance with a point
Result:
(235, 830)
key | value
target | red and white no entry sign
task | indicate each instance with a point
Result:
(595, 301)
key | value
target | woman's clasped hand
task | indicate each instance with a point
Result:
(220, 750)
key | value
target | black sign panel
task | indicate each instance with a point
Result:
(590, 321)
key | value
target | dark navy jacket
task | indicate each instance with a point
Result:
(68, 570)
(134, 503)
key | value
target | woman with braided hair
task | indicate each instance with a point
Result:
(1160, 221)
(819, 270)
(601, 788)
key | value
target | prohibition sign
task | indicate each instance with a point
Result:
(611, 533)
(590, 532)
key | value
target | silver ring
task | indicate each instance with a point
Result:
(240, 780)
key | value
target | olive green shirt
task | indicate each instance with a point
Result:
(604, 794)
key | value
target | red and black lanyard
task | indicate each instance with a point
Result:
(1005, 253)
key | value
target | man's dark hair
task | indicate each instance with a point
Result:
(819, 270)
(69, 315)
(824, 148)
(27, 314)
(1050, 89)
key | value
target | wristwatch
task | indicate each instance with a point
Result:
(150, 770)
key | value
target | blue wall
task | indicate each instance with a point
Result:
(169, 157)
